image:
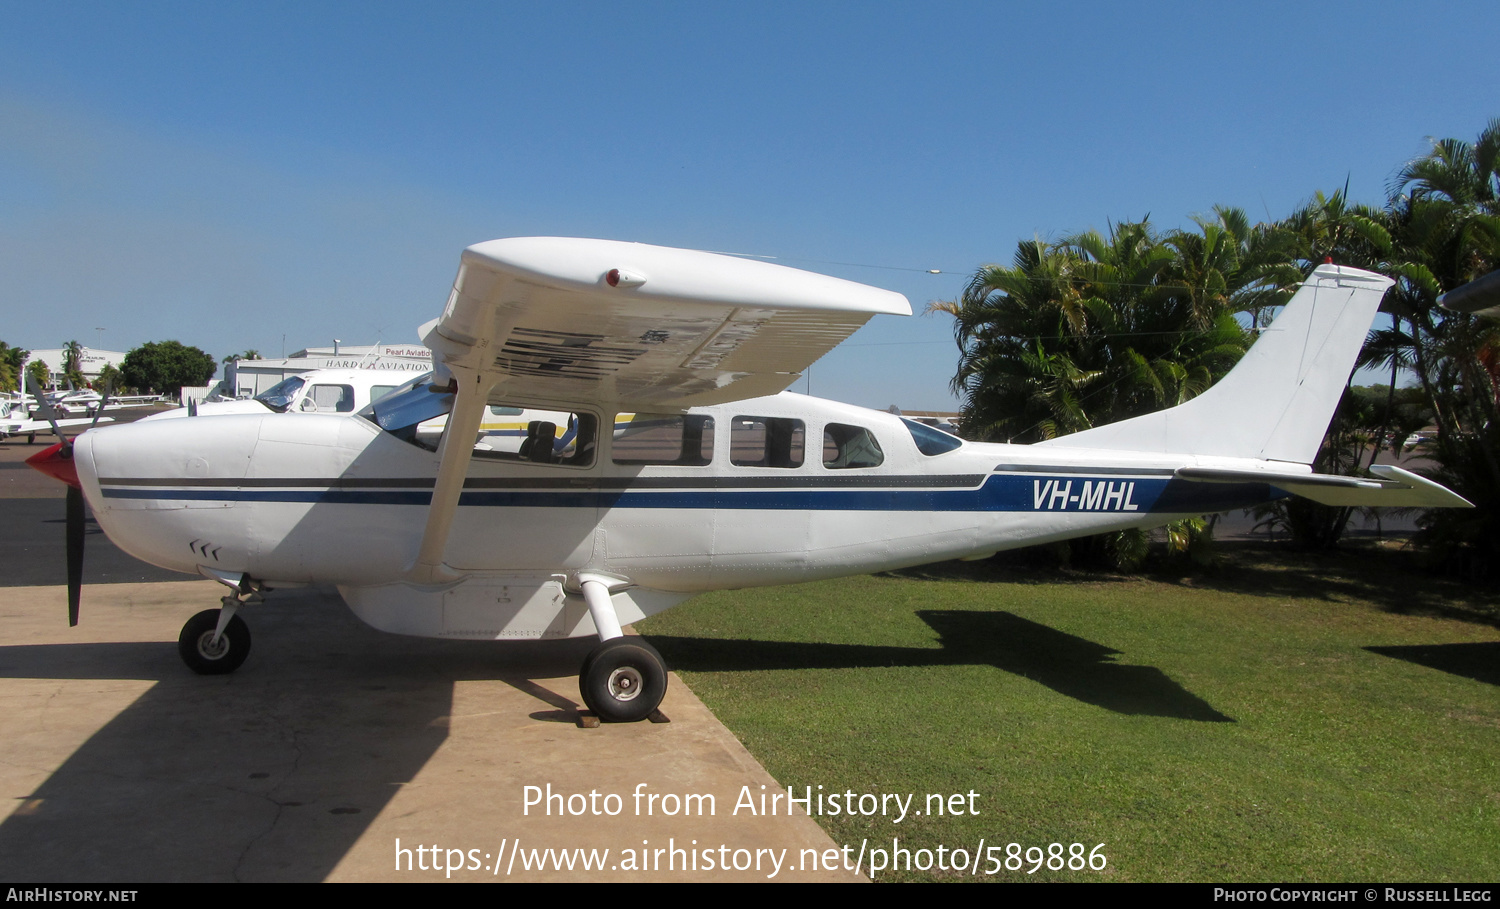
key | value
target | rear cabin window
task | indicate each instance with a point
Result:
(766, 442)
(847, 447)
(683, 439)
(931, 441)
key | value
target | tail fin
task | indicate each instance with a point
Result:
(1276, 403)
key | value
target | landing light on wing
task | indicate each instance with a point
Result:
(617, 278)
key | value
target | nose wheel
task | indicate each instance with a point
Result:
(208, 653)
(623, 680)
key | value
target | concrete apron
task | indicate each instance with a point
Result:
(340, 753)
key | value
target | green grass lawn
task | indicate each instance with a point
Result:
(1285, 717)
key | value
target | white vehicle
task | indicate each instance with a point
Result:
(318, 391)
(708, 479)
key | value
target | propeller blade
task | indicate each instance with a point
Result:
(109, 389)
(48, 413)
(75, 552)
(57, 461)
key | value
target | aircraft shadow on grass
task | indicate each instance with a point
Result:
(1479, 661)
(1070, 665)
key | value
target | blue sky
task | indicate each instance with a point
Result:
(226, 174)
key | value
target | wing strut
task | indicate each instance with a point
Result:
(454, 453)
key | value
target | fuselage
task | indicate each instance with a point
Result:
(764, 491)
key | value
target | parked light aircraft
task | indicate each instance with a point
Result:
(684, 466)
(15, 422)
(70, 400)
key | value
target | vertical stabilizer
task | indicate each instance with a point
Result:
(1276, 402)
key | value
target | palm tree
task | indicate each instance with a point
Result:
(1011, 324)
(72, 361)
(1445, 211)
(1095, 328)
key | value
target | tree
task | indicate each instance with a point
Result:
(1445, 212)
(11, 361)
(39, 372)
(72, 363)
(165, 367)
(247, 355)
(110, 377)
(1094, 329)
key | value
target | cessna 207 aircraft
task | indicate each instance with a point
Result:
(683, 466)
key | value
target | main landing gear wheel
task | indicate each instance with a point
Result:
(195, 644)
(623, 680)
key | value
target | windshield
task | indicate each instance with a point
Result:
(280, 396)
(401, 412)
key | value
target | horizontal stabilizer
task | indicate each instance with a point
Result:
(1394, 488)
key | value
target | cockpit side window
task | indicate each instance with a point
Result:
(537, 436)
(418, 413)
(330, 399)
(848, 447)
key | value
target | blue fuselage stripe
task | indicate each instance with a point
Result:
(1033, 493)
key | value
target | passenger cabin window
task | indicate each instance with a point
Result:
(847, 447)
(379, 391)
(931, 441)
(683, 439)
(766, 442)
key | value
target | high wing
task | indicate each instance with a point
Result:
(552, 320)
(560, 322)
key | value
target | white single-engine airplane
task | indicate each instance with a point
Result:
(683, 466)
(15, 422)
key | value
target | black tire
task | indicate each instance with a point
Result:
(623, 680)
(193, 644)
